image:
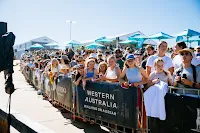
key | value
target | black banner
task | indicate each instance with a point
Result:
(109, 102)
(181, 115)
(181, 111)
(63, 91)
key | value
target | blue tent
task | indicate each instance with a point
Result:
(94, 46)
(36, 46)
(192, 40)
(138, 36)
(72, 43)
(160, 36)
(103, 40)
(52, 44)
(129, 42)
(188, 33)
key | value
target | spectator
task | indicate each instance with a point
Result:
(94, 57)
(101, 70)
(65, 60)
(198, 53)
(138, 57)
(162, 49)
(113, 72)
(80, 60)
(118, 55)
(65, 71)
(90, 71)
(107, 54)
(70, 54)
(79, 74)
(187, 75)
(99, 60)
(150, 51)
(177, 59)
(135, 75)
(159, 74)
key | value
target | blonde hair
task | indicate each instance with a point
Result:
(160, 60)
(102, 63)
(87, 61)
(126, 65)
(111, 57)
(54, 59)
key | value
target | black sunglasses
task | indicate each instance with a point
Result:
(185, 53)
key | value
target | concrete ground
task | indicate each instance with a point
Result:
(26, 102)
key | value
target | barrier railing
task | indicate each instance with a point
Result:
(116, 108)
(111, 106)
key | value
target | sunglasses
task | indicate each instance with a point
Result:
(130, 60)
(186, 53)
(79, 61)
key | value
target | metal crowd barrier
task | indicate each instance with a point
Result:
(62, 91)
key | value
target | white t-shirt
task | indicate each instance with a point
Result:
(167, 62)
(177, 61)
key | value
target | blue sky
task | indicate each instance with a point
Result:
(30, 19)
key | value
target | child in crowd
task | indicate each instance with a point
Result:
(159, 74)
(101, 70)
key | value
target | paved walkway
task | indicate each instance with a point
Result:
(26, 101)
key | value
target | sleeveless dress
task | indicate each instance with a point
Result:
(133, 75)
(89, 74)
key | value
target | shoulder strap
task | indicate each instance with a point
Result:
(194, 73)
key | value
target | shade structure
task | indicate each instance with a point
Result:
(138, 36)
(160, 36)
(72, 43)
(188, 33)
(60, 47)
(52, 44)
(94, 46)
(36, 46)
(103, 40)
(129, 42)
(192, 40)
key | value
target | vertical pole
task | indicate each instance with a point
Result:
(70, 30)
(117, 42)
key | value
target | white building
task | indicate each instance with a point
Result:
(20, 48)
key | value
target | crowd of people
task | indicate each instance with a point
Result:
(142, 68)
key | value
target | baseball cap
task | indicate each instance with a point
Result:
(186, 50)
(130, 56)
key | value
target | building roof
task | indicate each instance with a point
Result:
(43, 39)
